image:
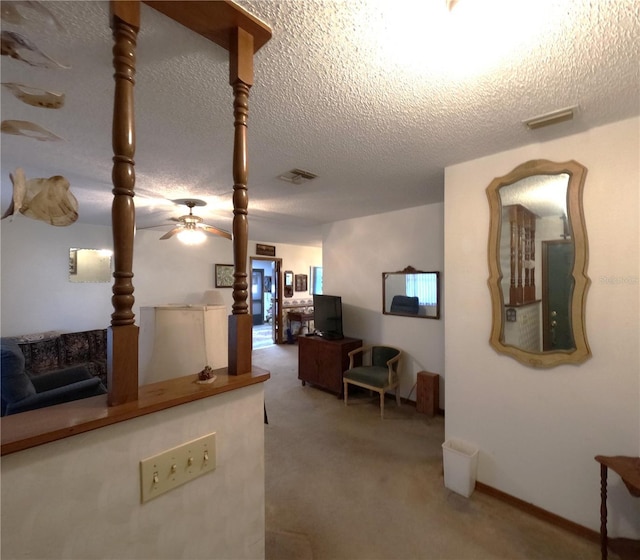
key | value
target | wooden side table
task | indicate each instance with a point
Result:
(629, 470)
(428, 393)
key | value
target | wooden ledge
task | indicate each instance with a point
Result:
(36, 427)
(215, 21)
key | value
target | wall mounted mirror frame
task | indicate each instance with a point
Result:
(411, 293)
(90, 265)
(288, 283)
(519, 269)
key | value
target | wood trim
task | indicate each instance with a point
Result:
(540, 513)
(214, 20)
(36, 427)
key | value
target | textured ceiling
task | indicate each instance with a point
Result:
(376, 97)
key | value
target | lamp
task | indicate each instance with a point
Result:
(191, 235)
(180, 340)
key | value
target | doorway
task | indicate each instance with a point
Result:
(557, 291)
(258, 302)
(266, 297)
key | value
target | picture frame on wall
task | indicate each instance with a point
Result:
(265, 250)
(301, 282)
(224, 275)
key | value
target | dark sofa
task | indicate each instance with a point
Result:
(46, 369)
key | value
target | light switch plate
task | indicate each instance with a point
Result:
(169, 469)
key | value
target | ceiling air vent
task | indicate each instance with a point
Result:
(551, 118)
(297, 176)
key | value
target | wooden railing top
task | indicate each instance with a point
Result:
(36, 427)
(214, 20)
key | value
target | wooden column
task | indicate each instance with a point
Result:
(603, 511)
(240, 322)
(122, 340)
(522, 285)
(530, 250)
(513, 255)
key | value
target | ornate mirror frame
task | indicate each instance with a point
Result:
(394, 284)
(578, 233)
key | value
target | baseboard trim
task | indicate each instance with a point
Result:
(540, 513)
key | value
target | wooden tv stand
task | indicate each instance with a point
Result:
(322, 361)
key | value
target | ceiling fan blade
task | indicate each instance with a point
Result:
(215, 230)
(171, 233)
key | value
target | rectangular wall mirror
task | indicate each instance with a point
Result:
(411, 293)
(90, 265)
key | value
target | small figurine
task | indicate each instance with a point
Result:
(206, 375)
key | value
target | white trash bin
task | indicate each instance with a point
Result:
(460, 465)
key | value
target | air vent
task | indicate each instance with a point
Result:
(297, 176)
(551, 118)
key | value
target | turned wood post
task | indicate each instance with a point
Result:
(603, 511)
(122, 341)
(240, 322)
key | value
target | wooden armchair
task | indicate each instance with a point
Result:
(378, 372)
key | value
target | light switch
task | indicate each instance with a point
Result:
(171, 468)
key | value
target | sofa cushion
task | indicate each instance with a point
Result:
(86, 348)
(42, 355)
(16, 384)
(76, 347)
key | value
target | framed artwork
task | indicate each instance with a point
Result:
(301, 282)
(265, 250)
(224, 276)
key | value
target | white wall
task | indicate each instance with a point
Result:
(356, 252)
(79, 497)
(299, 259)
(37, 296)
(538, 430)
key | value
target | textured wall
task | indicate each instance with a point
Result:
(79, 498)
(539, 430)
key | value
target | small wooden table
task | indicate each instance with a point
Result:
(629, 470)
(299, 317)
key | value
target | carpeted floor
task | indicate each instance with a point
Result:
(342, 484)
(262, 336)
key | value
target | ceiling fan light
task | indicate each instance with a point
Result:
(191, 236)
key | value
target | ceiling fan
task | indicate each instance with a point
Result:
(190, 229)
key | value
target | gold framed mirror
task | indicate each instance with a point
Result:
(538, 255)
(411, 293)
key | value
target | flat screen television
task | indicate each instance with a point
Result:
(327, 316)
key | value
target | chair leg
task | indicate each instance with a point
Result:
(382, 405)
(346, 392)
(398, 396)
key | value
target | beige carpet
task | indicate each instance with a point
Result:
(342, 484)
(262, 336)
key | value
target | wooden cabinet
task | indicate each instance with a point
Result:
(322, 362)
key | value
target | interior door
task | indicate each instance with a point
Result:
(257, 301)
(557, 290)
(277, 301)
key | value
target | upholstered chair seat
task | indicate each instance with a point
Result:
(379, 372)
